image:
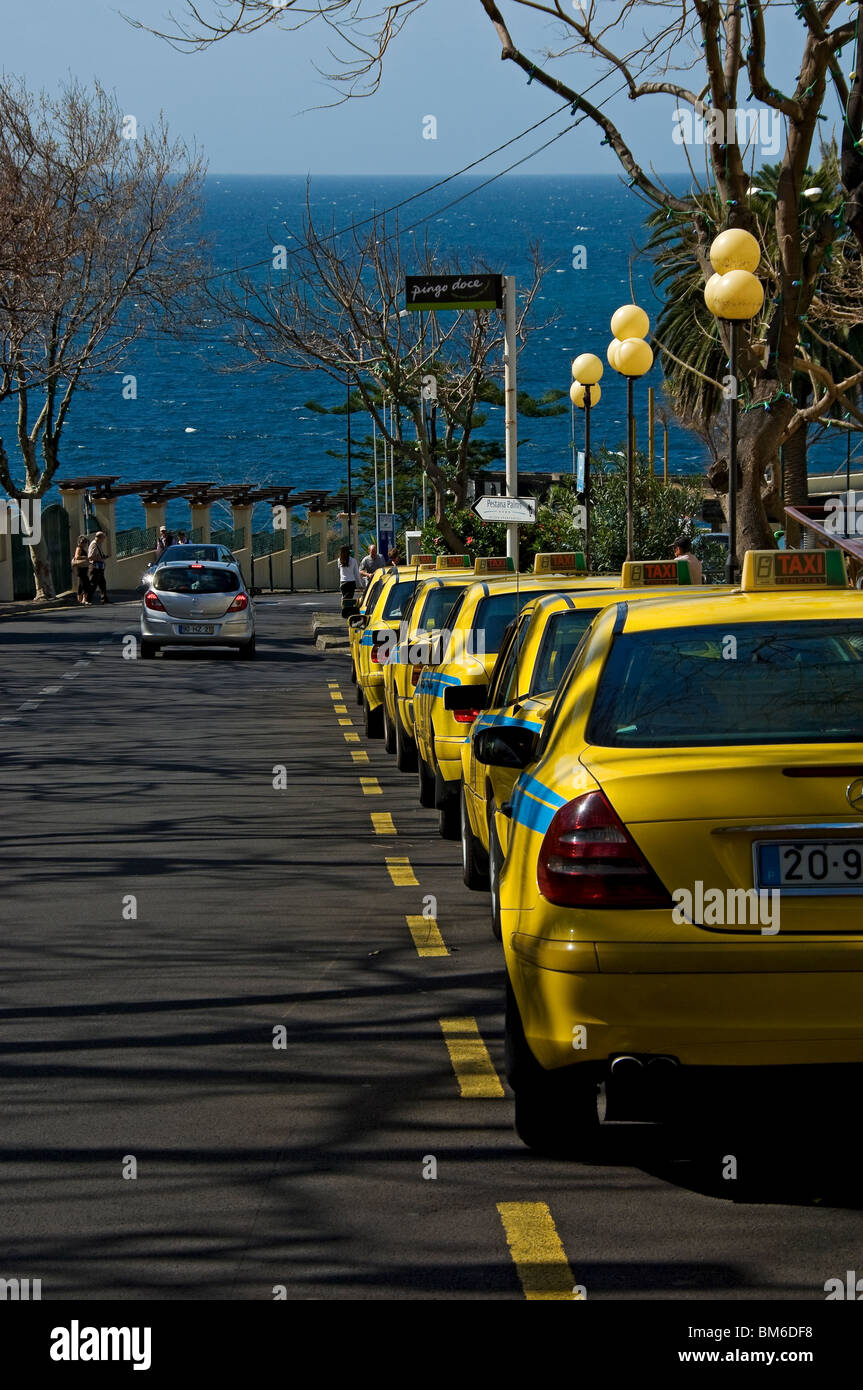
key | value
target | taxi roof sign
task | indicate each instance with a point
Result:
(560, 562)
(453, 562)
(794, 569)
(636, 574)
(494, 564)
(424, 562)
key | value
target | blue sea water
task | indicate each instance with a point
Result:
(193, 418)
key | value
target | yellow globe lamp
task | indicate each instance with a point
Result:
(710, 293)
(587, 368)
(578, 392)
(630, 322)
(634, 357)
(738, 295)
(611, 353)
(734, 249)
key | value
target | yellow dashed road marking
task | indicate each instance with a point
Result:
(344, 722)
(336, 693)
(471, 1062)
(427, 937)
(371, 786)
(402, 874)
(383, 823)
(333, 685)
(340, 709)
(536, 1250)
(359, 755)
(351, 738)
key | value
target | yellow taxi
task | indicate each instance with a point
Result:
(376, 638)
(356, 625)
(682, 887)
(426, 613)
(534, 656)
(451, 691)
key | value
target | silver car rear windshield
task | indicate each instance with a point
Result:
(704, 687)
(193, 579)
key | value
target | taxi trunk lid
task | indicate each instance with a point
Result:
(718, 821)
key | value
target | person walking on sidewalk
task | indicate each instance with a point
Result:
(96, 558)
(80, 565)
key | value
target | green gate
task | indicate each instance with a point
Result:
(55, 531)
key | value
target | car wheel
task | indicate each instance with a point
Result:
(373, 723)
(406, 749)
(389, 731)
(474, 860)
(353, 674)
(148, 648)
(495, 864)
(425, 781)
(449, 817)
(555, 1111)
(247, 650)
(360, 696)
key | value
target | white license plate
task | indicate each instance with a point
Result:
(196, 629)
(810, 866)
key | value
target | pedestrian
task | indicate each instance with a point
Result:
(372, 562)
(349, 578)
(682, 548)
(80, 566)
(395, 560)
(165, 539)
(96, 559)
(182, 538)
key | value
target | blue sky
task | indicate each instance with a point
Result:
(248, 102)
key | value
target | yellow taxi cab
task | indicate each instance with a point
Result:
(377, 637)
(529, 668)
(356, 625)
(451, 692)
(425, 613)
(681, 895)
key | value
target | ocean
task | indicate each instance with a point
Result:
(194, 417)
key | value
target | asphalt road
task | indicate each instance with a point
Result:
(170, 918)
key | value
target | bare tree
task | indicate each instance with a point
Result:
(336, 307)
(645, 45)
(98, 223)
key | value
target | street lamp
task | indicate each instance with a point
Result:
(733, 294)
(632, 357)
(585, 392)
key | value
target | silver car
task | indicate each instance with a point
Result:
(197, 604)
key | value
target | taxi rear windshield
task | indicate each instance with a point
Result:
(190, 579)
(436, 607)
(397, 598)
(561, 637)
(495, 613)
(779, 682)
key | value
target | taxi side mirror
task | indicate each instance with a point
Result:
(461, 697)
(356, 620)
(505, 747)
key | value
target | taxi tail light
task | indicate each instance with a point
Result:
(416, 672)
(240, 602)
(465, 716)
(588, 859)
(152, 600)
(377, 659)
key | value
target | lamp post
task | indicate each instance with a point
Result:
(733, 294)
(585, 392)
(631, 357)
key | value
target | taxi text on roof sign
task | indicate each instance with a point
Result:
(453, 562)
(494, 564)
(424, 561)
(560, 562)
(791, 569)
(636, 573)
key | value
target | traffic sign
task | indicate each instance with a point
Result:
(509, 509)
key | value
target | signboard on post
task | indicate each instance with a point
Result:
(428, 292)
(508, 509)
(386, 534)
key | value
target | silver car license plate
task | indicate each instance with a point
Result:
(196, 629)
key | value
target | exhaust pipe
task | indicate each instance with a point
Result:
(626, 1068)
(662, 1066)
